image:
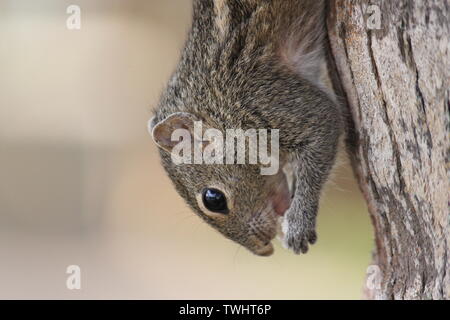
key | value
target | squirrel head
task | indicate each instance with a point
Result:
(235, 199)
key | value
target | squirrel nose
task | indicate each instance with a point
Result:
(265, 251)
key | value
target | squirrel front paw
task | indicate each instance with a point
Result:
(297, 236)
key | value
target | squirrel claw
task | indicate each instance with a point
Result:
(297, 238)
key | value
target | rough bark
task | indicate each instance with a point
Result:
(396, 83)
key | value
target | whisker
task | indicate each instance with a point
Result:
(235, 254)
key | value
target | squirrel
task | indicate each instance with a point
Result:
(255, 64)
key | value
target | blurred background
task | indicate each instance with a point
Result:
(81, 183)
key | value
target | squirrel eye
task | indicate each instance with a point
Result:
(214, 200)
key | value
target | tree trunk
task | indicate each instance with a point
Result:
(393, 61)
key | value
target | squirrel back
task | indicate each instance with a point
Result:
(230, 42)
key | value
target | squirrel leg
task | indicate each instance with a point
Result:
(312, 162)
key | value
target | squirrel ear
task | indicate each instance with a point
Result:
(151, 124)
(162, 131)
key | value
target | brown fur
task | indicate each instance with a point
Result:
(257, 64)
